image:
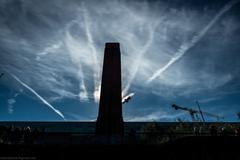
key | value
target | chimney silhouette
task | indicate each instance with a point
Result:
(110, 120)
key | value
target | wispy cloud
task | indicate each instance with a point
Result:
(140, 58)
(186, 46)
(77, 117)
(49, 49)
(96, 64)
(11, 102)
(61, 44)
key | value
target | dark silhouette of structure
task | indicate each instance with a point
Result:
(194, 112)
(110, 121)
(213, 131)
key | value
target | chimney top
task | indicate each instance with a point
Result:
(112, 44)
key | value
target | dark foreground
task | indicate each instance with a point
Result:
(202, 148)
(74, 140)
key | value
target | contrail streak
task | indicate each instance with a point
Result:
(96, 93)
(139, 60)
(37, 95)
(83, 94)
(185, 47)
(96, 74)
(77, 58)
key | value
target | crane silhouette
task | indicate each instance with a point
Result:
(194, 112)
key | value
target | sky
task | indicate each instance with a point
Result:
(172, 52)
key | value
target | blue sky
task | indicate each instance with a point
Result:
(172, 52)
